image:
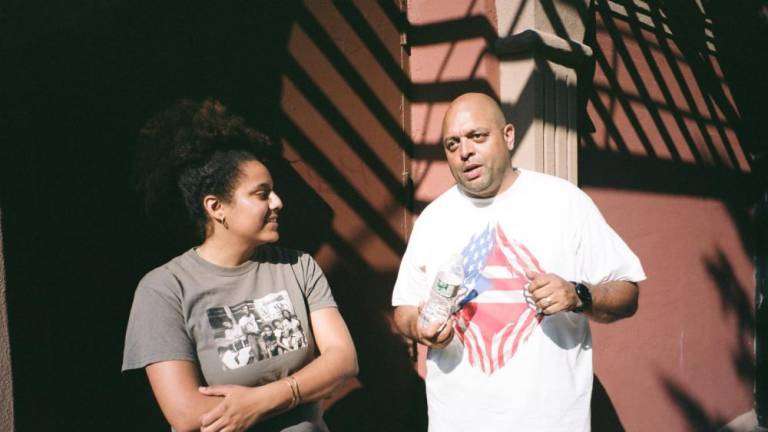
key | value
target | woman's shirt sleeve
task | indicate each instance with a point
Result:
(316, 289)
(156, 327)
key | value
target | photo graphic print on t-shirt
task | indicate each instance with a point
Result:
(256, 329)
(500, 319)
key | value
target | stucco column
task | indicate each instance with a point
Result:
(540, 53)
(6, 387)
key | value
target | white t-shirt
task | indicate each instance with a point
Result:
(507, 368)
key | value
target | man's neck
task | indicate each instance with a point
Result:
(510, 176)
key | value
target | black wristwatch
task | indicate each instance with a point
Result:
(582, 291)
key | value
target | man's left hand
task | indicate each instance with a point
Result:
(551, 293)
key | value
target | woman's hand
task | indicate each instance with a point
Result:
(240, 408)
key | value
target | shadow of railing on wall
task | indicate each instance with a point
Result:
(96, 74)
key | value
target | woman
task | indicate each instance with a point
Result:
(205, 372)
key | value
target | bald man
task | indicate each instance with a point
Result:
(539, 262)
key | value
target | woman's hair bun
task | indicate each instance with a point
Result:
(190, 131)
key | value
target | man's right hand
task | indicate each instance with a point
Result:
(437, 335)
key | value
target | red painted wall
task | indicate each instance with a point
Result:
(663, 117)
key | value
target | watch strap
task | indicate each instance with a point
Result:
(584, 294)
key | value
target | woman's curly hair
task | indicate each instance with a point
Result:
(194, 149)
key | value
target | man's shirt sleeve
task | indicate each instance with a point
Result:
(601, 254)
(411, 287)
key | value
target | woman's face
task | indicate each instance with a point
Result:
(251, 213)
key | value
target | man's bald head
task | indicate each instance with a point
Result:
(477, 142)
(478, 103)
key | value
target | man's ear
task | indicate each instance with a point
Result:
(509, 136)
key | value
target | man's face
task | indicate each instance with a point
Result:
(477, 146)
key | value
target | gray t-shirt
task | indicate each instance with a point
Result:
(248, 325)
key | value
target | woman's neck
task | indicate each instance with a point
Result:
(225, 252)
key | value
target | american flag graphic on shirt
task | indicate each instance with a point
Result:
(499, 320)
